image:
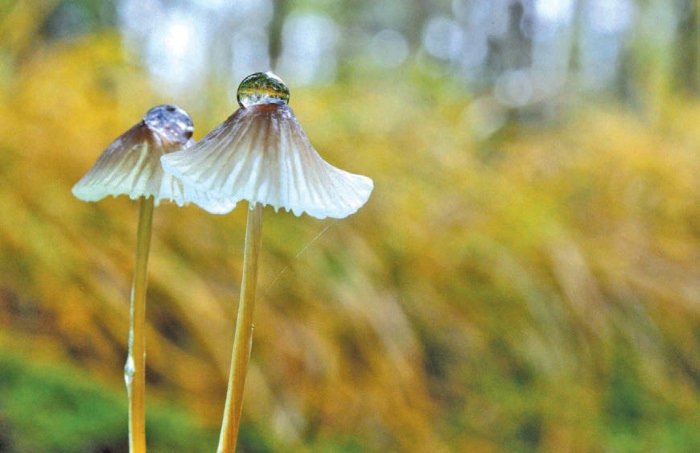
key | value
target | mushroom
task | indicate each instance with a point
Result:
(262, 155)
(131, 166)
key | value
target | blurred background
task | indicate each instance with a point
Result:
(524, 278)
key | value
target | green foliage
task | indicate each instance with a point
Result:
(58, 409)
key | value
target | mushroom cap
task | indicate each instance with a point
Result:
(262, 155)
(131, 164)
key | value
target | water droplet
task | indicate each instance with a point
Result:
(171, 122)
(129, 370)
(262, 88)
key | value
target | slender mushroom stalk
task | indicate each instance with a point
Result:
(135, 367)
(262, 155)
(243, 340)
(131, 166)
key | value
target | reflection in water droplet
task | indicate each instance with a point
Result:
(262, 88)
(170, 121)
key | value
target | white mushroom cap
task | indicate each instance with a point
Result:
(262, 155)
(131, 164)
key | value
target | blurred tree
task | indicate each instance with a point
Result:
(275, 30)
(69, 18)
(513, 49)
(687, 58)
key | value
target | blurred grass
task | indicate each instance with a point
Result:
(52, 408)
(534, 291)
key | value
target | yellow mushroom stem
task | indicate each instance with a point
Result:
(243, 339)
(135, 368)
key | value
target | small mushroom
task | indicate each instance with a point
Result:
(131, 166)
(262, 155)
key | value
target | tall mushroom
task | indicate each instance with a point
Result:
(131, 166)
(262, 155)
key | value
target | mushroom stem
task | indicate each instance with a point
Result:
(135, 368)
(243, 339)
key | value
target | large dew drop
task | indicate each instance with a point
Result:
(171, 122)
(262, 88)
